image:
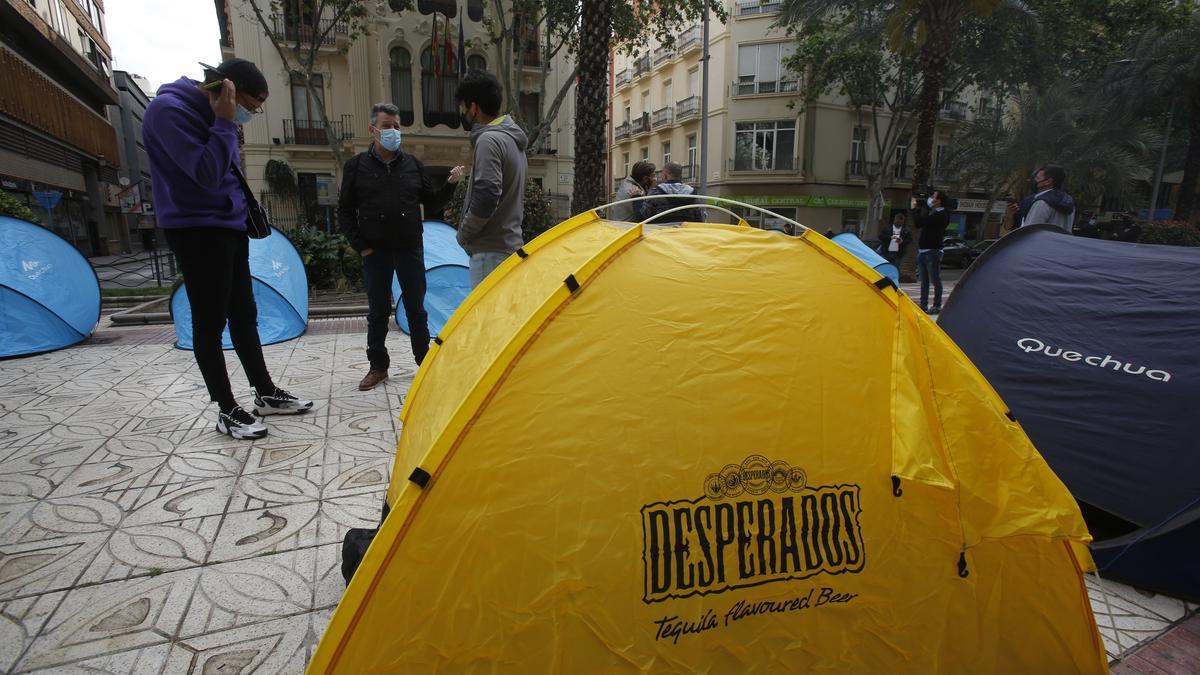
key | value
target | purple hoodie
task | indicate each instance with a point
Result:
(191, 151)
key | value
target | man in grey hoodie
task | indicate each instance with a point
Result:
(494, 207)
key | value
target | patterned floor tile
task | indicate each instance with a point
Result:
(20, 621)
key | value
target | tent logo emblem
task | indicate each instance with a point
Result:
(34, 269)
(278, 268)
(781, 529)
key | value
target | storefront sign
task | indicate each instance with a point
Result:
(805, 201)
(131, 199)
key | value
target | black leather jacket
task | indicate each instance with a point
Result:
(379, 205)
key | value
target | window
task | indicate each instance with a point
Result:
(858, 151)
(852, 221)
(645, 102)
(666, 152)
(939, 159)
(401, 64)
(752, 7)
(475, 10)
(627, 112)
(476, 62)
(694, 82)
(766, 221)
(439, 80)
(764, 146)
(625, 163)
(307, 125)
(450, 9)
(692, 152)
(761, 69)
(901, 168)
(645, 152)
(531, 109)
(668, 98)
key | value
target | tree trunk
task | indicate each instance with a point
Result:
(1191, 170)
(934, 56)
(591, 105)
(874, 203)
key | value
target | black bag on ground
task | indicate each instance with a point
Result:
(354, 547)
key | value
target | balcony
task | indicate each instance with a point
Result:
(690, 173)
(662, 56)
(690, 39)
(857, 169)
(312, 132)
(753, 7)
(641, 125)
(290, 31)
(953, 110)
(663, 117)
(623, 131)
(754, 88)
(687, 107)
(641, 66)
(623, 78)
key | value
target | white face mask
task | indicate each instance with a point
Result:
(929, 202)
(242, 115)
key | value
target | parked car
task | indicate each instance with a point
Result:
(956, 253)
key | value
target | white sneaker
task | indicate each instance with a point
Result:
(280, 403)
(240, 424)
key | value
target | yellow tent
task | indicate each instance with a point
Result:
(710, 449)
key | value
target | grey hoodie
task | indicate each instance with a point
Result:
(495, 201)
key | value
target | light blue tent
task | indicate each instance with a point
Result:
(49, 294)
(280, 291)
(447, 277)
(850, 242)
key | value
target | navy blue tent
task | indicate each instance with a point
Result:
(851, 242)
(280, 291)
(49, 294)
(447, 277)
(1093, 345)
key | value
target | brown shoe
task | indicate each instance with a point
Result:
(373, 378)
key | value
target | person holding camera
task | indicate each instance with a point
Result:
(191, 135)
(931, 217)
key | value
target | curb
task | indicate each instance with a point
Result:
(134, 317)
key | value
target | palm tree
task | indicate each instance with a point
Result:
(1077, 126)
(1166, 67)
(591, 104)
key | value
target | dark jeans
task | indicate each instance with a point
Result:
(929, 266)
(215, 263)
(409, 266)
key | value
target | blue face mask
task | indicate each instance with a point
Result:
(242, 115)
(390, 139)
(929, 202)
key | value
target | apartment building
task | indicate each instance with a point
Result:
(806, 166)
(135, 195)
(58, 151)
(394, 62)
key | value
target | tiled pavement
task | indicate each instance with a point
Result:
(135, 539)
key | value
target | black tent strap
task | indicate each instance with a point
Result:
(962, 565)
(437, 340)
(420, 477)
(1010, 416)
(521, 253)
(572, 283)
(896, 491)
(884, 282)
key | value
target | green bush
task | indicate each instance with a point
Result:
(14, 208)
(329, 261)
(537, 218)
(1170, 233)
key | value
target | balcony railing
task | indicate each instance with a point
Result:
(687, 107)
(623, 78)
(690, 39)
(766, 87)
(312, 132)
(953, 110)
(290, 30)
(623, 131)
(752, 7)
(641, 125)
(662, 56)
(690, 173)
(857, 169)
(663, 117)
(641, 66)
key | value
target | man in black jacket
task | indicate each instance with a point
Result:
(379, 211)
(931, 218)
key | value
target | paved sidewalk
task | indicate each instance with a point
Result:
(135, 539)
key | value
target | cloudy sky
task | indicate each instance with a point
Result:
(162, 39)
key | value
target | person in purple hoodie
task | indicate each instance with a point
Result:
(191, 135)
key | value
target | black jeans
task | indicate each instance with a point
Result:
(929, 268)
(409, 266)
(215, 262)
